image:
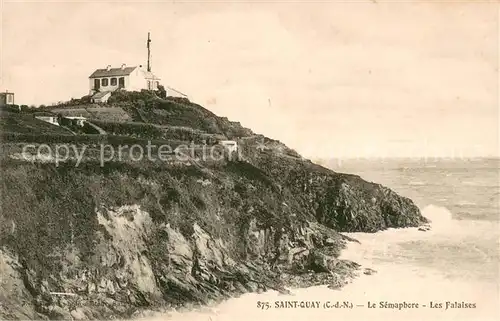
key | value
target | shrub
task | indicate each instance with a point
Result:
(162, 93)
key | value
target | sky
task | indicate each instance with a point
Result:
(327, 78)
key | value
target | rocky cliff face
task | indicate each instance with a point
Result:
(96, 242)
(93, 242)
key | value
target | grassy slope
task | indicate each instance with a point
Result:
(27, 124)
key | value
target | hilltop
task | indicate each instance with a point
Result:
(96, 242)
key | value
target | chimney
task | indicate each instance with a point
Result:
(108, 67)
(123, 66)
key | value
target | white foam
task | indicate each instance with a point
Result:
(438, 216)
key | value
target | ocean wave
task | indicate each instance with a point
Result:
(471, 183)
(444, 223)
(416, 183)
(465, 203)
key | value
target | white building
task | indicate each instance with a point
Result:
(77, 120)
(49, 119)
(133, 78)
(6, 98)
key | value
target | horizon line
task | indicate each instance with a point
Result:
(381, 158)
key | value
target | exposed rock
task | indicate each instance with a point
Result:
(369, 271)
(424, 228)
(320, 262)
(15, 300)
(127, 237)
(78, 314)
(57, 313)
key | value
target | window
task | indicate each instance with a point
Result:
(9, 99)
(104, 82)
(157, 84)
(121, 82)
(149, 84)
(97, 83)
(113, 81)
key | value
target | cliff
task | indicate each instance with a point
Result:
(95, 242)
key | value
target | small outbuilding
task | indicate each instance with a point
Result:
(6, 98)
(77, 120)
(48, 119)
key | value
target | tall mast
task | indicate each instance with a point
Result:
(149, 53)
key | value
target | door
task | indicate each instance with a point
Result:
(121, 82)
(97, 84)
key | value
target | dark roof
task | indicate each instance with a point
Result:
(112, 72)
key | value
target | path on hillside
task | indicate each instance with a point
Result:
(99, 129)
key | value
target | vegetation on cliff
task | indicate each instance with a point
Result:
(91, 241)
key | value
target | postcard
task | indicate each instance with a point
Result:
(249, 160)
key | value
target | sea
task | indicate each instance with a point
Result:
(450, 272)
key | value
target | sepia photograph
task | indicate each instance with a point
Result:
(267, 160)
